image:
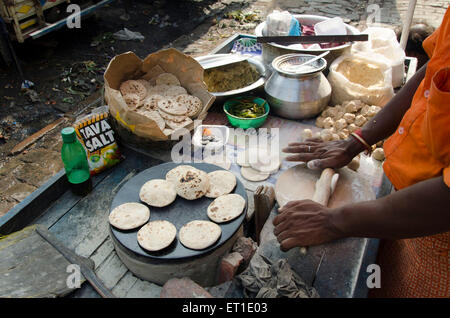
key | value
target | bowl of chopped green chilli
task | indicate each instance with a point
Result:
(246, 111)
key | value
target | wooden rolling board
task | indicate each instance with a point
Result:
(298, 183)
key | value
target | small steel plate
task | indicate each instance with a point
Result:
(180, 212)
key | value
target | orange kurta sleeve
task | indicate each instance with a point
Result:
(420, 147)
(436, 126)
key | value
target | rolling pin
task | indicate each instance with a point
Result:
(324, 189)
(325, 186)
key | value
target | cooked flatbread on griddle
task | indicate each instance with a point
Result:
(129, 216)
(198, 234)
(158, 193)
(156, 235)
(226, 208)
(220, 182)
(192, 184)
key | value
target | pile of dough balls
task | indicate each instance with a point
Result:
(339, 121)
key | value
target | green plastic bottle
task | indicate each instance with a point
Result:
(75, 162)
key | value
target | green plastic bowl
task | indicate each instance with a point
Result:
(246, 123)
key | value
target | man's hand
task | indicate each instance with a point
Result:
(321, 155)
(304, 223)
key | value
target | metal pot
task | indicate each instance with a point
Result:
(297, 92)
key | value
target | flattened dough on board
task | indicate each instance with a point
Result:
(156, 235)
(242, 159)
(129, 216)
(251, 174)
(198, 234)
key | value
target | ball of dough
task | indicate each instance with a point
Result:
(319, 121)
(352, 127)
(350, 107)
(378, 154)
(354, 164)
(360, 120)
(365, 110)
(343, 135)
(340, 124)
(325, 112)
(328, 123)
(349, 118)
(339, 108)
(326, 135)
(373, 110)
(338, 115)
(306, 134)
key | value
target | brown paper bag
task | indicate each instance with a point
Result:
(128, 66)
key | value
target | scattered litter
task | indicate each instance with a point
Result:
(81, 78)
(124, 17)
(68, 100)
(127, 35)
(264, 279)
(32, 95)
(243, 17)
(103, 39)
(27, 85)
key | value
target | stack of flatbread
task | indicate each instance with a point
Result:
(257, 163)
(163, 100)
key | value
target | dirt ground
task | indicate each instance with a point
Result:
(67, 65)
(67, 68)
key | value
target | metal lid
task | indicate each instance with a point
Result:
(288, 64)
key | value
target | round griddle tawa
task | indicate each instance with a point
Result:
(180, 212)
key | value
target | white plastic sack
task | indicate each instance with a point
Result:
(127, 35)
(384, 41)
(278, 23)
(343, 89)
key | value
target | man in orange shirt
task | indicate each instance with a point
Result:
(415, 220)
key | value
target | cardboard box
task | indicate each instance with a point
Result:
(128, 66)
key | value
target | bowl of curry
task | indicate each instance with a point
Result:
(233, 79)
(246, 111)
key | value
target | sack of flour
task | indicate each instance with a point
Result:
(363, 76)
(384, 41)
